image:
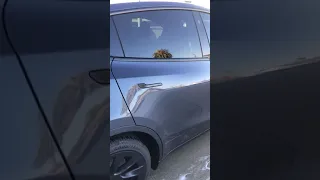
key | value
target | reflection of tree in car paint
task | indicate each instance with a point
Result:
(141, 98)
(131, 94)
(97, 119)
(67, 104)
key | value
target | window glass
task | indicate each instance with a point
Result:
(159, 34)
(206, 22)
(203, 36)
(115, 47)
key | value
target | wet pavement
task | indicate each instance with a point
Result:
(189, 162)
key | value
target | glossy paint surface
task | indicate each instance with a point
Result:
(265, 89)
(22, 126)
(117, 118)
(64, 49)
(178, 109)
(167, 99)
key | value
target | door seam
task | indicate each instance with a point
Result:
(121, 91)
(35, 97)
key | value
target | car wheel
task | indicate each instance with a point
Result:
(129, 159)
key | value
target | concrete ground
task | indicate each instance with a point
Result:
(189, 162)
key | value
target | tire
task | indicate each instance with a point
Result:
(132, 149)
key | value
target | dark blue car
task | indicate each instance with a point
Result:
(159, 82)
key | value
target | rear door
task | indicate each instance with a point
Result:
(67, 67)
(22, 125)
(163, 75)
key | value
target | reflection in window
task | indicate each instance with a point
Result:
(146, 34)
(115, 47)
(206, 22)
(202, 34)
(162, 54)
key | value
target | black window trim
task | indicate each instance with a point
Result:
(157, 9)
(135, 59)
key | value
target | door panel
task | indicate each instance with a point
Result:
(22, 126)
(177, 109)
(67, 64)
(266, 89)
(118, 118)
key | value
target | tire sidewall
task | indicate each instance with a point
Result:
(121, 145)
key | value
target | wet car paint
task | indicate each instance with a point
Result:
(67, 67)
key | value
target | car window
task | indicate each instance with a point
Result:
(206, 22)
(115, 47)
(202, 35)
(159, 34)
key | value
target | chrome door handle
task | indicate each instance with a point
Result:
(143, 85)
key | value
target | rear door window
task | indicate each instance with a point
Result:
(202, 35)
(159, 34)
(206, 22)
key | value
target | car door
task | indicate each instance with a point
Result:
(266, 89)
(22, 125)
(63, 46)
(163, 74)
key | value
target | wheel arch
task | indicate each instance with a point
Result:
(149, 137)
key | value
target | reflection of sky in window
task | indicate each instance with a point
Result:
(156, 29)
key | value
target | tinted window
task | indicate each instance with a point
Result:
(115, 47)
(206, 22)
(159, 34)
(202, 34)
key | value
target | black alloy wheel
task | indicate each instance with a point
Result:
(129, 159)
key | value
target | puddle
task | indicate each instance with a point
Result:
(184, 176)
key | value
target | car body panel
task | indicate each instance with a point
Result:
(22, 124)
(265, 89)
(117, 119)
(22, 129)
(68, 69)
(177, 110)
